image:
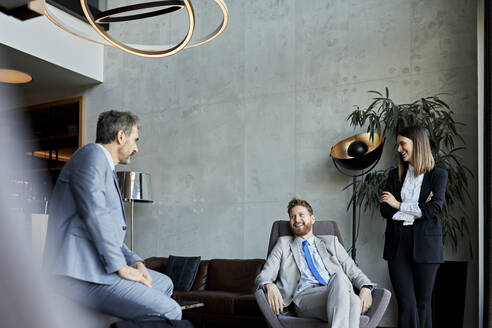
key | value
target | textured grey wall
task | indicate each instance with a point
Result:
(233, 129)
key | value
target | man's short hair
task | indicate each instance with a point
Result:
(299, 202)
(112, 121)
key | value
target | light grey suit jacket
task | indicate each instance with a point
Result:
(283, 265)
(87, 223)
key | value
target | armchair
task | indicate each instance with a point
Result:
(370, 319)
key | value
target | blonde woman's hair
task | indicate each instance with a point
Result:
(423, 161)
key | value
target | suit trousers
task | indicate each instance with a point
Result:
(124, 299)
(413, 284)
(335, 303)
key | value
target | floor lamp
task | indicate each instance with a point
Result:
(134, 187)
(357, 153)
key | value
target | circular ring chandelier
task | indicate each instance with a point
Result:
(168, 7)
(159, 8)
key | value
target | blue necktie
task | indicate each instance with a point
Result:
(309, 260)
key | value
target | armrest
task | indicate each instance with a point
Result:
(270, 316)
(380, 301)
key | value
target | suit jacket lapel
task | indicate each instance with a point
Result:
(325, 255)
(295, 251)
(425, 186)
(119, 194)
(399, 186)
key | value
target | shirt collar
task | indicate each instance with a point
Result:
(108, 156)
(310, 240)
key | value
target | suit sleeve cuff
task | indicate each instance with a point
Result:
(370, 287)
(134, 258)
(114, 265)
(262, 285)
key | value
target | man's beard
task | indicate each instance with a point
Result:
(126, 161)
(305, 230)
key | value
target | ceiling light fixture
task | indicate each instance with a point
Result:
(13, 76)
(115, 15)
(167, 7)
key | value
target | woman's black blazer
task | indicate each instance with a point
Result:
(427, 233)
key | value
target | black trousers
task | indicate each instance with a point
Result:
(413, 284)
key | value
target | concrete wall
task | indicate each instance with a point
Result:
(232, 130)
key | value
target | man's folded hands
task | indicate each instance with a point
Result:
(136, 272)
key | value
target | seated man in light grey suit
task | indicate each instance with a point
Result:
(86, 227)
(315, 273)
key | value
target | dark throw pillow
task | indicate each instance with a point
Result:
(182, 271)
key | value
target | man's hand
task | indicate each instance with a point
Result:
(366, 299)
(130, 273)
(143, 269)
(388, 198)
(274, 298)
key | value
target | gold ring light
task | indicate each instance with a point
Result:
(151, 51)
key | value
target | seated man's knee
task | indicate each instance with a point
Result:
(163, 283)
(175, 312)
(168, 308)
(169, 284)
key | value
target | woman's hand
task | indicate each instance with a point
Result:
(388, 198)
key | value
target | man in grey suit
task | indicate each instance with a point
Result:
(85, 251)
(315, 273)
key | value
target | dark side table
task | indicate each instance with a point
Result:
(194, 306)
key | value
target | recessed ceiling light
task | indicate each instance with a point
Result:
(13, 76)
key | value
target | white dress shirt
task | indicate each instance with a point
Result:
(410, 192)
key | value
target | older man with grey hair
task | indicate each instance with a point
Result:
(87, 225)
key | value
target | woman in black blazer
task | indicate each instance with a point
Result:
(412, 203)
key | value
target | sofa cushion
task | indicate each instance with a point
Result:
(215, 301)
(182, 271)
(233, 275)
(160, 263)
(201, 276)
(246, 305)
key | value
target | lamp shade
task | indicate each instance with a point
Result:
(135, 186)
(358, 152)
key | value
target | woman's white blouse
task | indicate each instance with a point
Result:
(410, 192)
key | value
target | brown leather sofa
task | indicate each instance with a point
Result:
(226, 287)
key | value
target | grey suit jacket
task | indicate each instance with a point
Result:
(87, 223)
(283, 265)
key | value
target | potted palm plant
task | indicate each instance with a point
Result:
(386, 118)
